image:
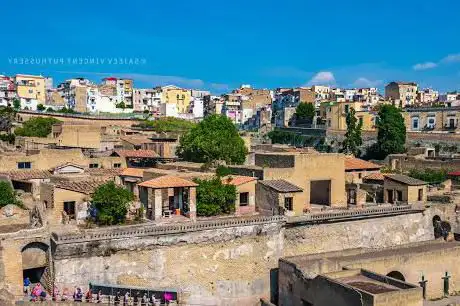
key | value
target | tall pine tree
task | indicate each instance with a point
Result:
(353, 139)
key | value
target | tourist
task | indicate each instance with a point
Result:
(117, 298)
(88, 296)
(65, 295)
(145, 300)
(152, 299)
(126, 299)
(99, 297)
(26, 285)
(136, 299)
(78, 295)
(55, 294)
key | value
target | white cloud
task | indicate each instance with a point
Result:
(322, 78)
(451, 58)
(424, 66)
(364, 82)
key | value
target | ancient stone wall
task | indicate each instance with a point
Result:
(222, 265)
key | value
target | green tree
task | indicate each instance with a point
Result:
(111, 203)
(353, 138)
(41, 107)
(305, 111)
(7, 194)
(16, 104)
(7, 115)
(214, 198)
(36, 127)
(121, 105)
(50, 110)
(215, 138)
(391, 133)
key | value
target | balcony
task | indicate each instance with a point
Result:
(450, 127)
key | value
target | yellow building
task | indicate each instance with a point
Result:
(431, 119)
(335, 114)
(175, 95)
(31, 87)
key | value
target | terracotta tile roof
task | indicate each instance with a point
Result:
(168, 181)
(281, 186)
(405, 179)
(375, 176)
(237, 180)
(104, 172)
(85, 187)
(137, 153)
(136, 140)
(135, 172)
(353, 163)
(24, 175)
(68, 164)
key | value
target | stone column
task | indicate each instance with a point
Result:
(192, 205)
(157, 205)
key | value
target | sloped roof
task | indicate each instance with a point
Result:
(135, 172)
(353, 163)
(69, 164)
(85, 187)
(405, 179)
(237, 180)
(168, 181)
(281, 186)
(375, 176)
(24, 175)
(104, 172)
(137, 153)
(136, 140)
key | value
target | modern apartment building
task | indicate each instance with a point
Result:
(7, 91)
(427, 96)
(402, 94)
(31, 90)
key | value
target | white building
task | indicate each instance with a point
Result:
(168, 110)
(427, 95)
(7, 91)
(144, 100)
(197, 107)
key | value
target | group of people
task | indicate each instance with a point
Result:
(39, 294)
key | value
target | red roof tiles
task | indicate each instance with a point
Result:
(353, 163)
(167, 181)
(137, 153)
(237, 180)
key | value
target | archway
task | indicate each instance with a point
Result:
(35, 262)
(397, 275)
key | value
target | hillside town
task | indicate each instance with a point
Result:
(316, 195)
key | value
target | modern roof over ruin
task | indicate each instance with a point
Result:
(237, 180)
(281, 186)
(404, 179)
(137, 153)
(85, 187)
(167, 181)
(134, 172)
(25, 175)
(353, 163)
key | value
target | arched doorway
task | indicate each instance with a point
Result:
(35, 262)
(397, 275)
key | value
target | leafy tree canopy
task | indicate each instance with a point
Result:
(16, 104)
(305, 111)
(168, 124)
(391, 135)
(7, 194)
(41, 107)
(36, 127)
(353, 139)
(431, 176)
(215, 138)
(214, 198)
(7, 115)
(112, 203)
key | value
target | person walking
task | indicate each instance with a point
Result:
(27, 286)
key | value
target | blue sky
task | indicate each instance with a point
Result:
(221, 44)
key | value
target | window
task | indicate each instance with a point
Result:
(288, 203)
(329, 123)
(177, 96)
(415, 123)
(347, 108)
(420, 194)
(94, 165)
(244, 198)
(24, 165)
(117, 165)
(360, 175)
(31, 91)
